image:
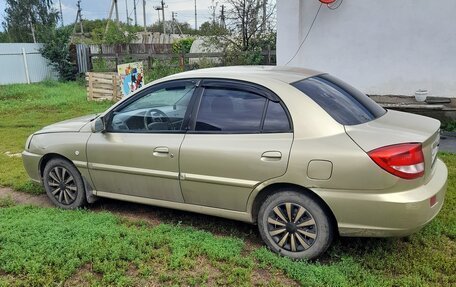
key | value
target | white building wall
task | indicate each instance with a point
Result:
(380, 46)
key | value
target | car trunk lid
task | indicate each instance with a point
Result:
(396, 127)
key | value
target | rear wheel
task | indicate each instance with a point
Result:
(295, 225)
(63, 184)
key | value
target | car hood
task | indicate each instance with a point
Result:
(72, 125)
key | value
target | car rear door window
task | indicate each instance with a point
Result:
(276, 119)
(230, 111)
(345, 104)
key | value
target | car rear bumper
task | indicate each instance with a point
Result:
(388, 214)
(32, 165)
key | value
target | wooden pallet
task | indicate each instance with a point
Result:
(103, 86)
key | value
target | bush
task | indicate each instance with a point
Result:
(56, 48)
(160, 69)
(183, 45)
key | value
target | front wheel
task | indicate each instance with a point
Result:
(295, 225)
(63, 184)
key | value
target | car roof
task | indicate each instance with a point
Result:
(281, 73)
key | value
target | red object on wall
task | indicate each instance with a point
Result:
(327, 1)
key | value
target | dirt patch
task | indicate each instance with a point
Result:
(262, 277)
(153, 215)
(83, 277)
(25, 198)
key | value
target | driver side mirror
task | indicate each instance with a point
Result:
(98, 125)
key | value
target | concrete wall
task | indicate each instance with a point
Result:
(379, 46)
(13, 67)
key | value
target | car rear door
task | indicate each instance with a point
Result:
(240, 136)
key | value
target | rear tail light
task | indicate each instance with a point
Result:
(402, 160)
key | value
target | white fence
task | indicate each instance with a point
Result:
(23, 63)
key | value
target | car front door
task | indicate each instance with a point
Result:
(138, 154)
(241, 135)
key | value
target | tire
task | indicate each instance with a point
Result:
(286, 237)
(63, 184)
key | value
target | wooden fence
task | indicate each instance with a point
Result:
(103, 86)
(148, 53)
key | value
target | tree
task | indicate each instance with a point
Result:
(250, 28)
(56, 48)
(183, 45)
(26, 20)
(211, 28)
(246, 23)
(4, 37)
(121, 34)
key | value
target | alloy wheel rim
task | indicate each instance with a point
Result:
(63, 186)
(292, 227)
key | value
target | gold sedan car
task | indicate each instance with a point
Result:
(300, 153)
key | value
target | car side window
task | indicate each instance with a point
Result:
(163, 109)
(230, 111)
(276, 120)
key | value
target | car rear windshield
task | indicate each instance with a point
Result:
(344, 103)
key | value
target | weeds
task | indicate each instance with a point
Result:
(6, 201)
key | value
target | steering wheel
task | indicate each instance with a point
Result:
(156, 115)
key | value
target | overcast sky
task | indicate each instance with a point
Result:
(98, 9)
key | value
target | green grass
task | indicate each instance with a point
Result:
(45, 246)
(25, 109)
(41, 246)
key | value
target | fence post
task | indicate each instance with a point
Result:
(90, 85)
(24, 56)
(88, 59)
(182, 61)
(149, 62)
(114, 88)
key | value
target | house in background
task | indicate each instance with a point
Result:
(382, 47)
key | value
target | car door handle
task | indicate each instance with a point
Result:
(271, 156)
(161, 151)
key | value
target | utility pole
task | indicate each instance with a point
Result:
(163, 16)
(126, 10)
(158, 9)
(158, 15)
(162, 9)
(117, 12)
(214, 8)
(222, 17)
(113, 6)
(196, 18)
(176, 23)
(134, 9)
(173, 21)
(61, 13)
(144, 15)
(78, 16)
